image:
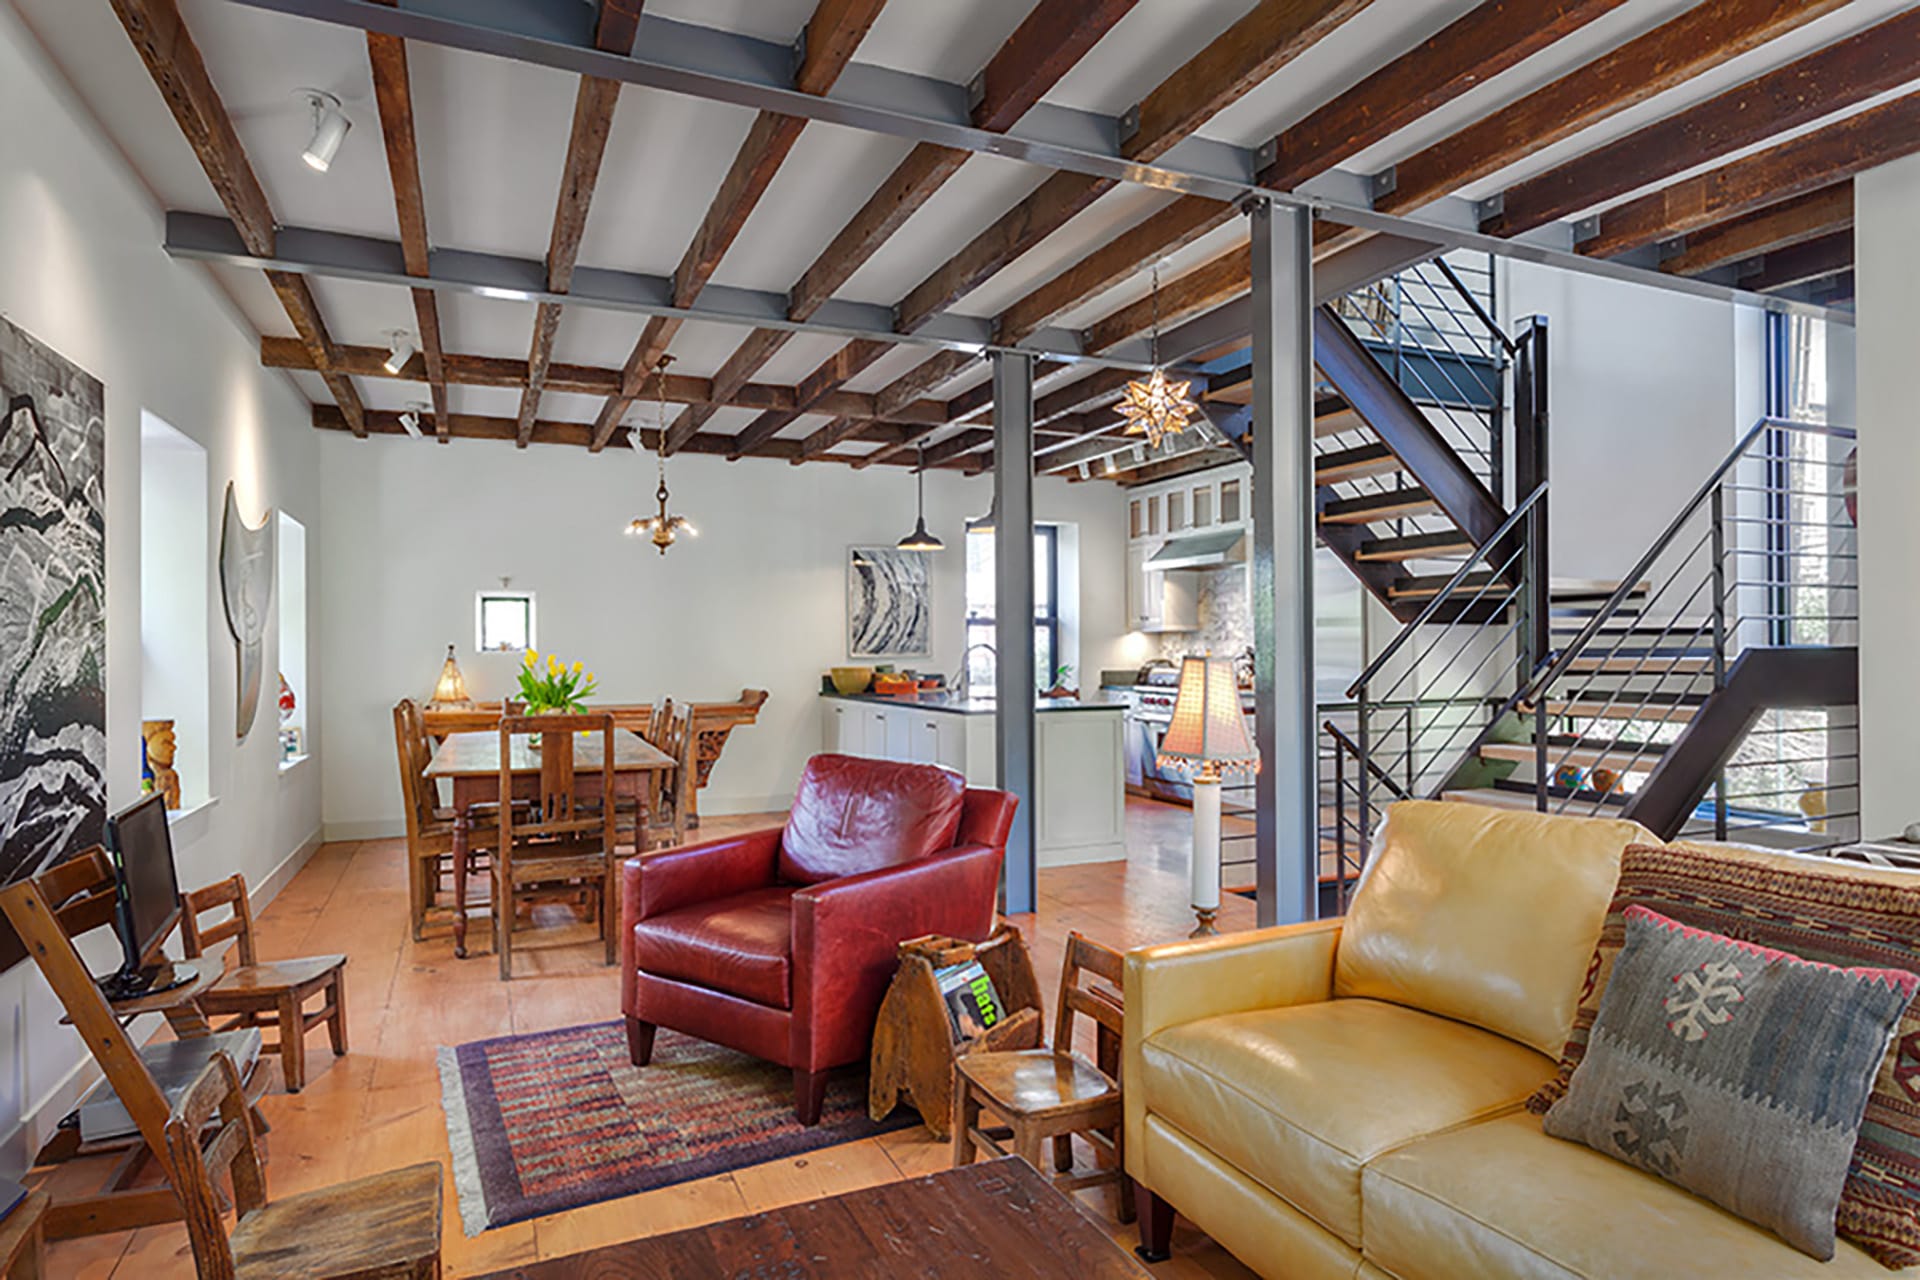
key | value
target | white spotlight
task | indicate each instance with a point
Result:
(400, 349)
(330, 125)
(410, 423)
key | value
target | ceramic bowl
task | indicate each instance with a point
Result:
(852, 680)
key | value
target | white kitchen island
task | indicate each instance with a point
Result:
(1079, 760)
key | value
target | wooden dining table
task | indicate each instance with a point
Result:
(471, 762)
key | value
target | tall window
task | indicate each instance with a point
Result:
(1046, 608)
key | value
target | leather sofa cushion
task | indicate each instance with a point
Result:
(1502, 1199)
(1300, 1098)
(852, 815)
(1482, 914)
(741, 945)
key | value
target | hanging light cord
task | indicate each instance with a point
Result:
(1155, 353)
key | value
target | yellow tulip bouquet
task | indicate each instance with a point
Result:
(556, 687)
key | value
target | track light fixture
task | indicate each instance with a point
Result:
(410, 420)
(400, 349)
(330, 125)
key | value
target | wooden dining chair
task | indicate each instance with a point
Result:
(429, 824)
(382, 1227)
(1030, 1097)
(564, 843)
(669, 790)
(274, 994)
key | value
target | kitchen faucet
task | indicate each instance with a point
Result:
(961, 682)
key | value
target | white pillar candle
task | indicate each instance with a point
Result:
(1204, 875)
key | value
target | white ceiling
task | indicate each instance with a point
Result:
(493, 134)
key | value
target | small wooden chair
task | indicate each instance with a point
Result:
(273, 994)
(382, 1227)
(1042, 1094)
(564, 842)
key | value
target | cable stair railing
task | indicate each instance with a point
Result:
(1711, 692)
(1441, 684)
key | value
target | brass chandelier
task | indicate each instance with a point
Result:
(661, 529)
(1156, 406)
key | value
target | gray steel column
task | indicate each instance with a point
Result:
(1013, 610)
(1287, 839)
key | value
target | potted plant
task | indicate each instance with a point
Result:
(555, 688)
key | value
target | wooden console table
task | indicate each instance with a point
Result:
(994, 1219)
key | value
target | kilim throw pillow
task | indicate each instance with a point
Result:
(1735, 1071)
(1830, 912)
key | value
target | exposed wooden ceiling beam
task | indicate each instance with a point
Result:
(761, 346)
(1813, 160)
(1045, 46)
(954, 446)
(1054, 36)
(469, 426)
(1829, 255)
(1273, 34)
(1848, 72)
(393, 94)
(846, 363)
(1669, 55)
(891, 453)
(179, 72)
(505, 371)
(1478, 45)
(1774, 226)
(1218, 280)
(831, 36)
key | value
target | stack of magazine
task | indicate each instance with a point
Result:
(973, 1006)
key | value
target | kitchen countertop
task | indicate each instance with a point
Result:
(969, 707)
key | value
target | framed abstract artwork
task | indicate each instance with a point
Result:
(889, 603)
(53, 621)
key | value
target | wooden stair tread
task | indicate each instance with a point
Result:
(1647, 664)
(1636, 708)
(1396, 505)
(1359, 463)
(1426, 587)
(1423, 546)
(1614, 754)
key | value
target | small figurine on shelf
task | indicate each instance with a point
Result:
(157, 746)
(286, 699)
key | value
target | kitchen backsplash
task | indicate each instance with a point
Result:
(1226, 618)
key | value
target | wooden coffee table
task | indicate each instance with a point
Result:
(994, 1219)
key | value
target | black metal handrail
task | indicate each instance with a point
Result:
(1557, 663)
(1481, 555)
(1340, 736)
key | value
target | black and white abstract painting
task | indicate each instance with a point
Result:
(53, 621)
(889, 603)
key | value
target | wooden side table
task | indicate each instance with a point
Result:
(23, 1239)
(913, 1046)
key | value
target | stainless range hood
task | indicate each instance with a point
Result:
(1210, 550)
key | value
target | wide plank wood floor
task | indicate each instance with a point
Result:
(379, 1107)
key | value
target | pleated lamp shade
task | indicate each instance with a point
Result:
(1208, 726)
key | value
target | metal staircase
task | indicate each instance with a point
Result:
(1711, 692)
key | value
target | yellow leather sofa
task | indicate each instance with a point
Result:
(1347, 1098)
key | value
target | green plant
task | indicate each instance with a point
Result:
(560, 687)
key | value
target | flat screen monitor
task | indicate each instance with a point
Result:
(142, 847)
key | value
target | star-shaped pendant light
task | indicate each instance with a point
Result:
(660, 529)
(1157, 406)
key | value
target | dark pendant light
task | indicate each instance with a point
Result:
(920, 539)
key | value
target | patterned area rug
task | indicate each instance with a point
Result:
(560, 1119)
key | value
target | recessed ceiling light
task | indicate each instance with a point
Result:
(400, 349)
(330, 125)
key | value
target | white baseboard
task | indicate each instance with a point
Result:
(373, 829)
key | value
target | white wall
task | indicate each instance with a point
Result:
(82, 270)
(1647, 389)
(411, 529)
(174, 590)
(1887, 341)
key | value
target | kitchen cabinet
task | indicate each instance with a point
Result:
(1158, 600)
(1079, 763)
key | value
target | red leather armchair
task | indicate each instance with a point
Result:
(781, 943)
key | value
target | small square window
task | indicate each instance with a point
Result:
(503, 621)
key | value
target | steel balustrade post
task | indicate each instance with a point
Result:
(1718, 568)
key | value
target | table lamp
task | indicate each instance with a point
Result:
(1208, 737)
(451, 689)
